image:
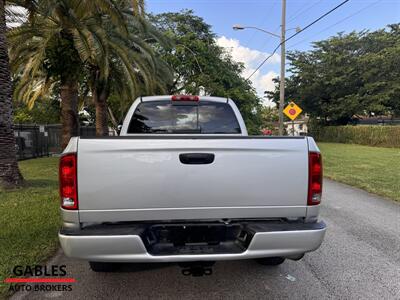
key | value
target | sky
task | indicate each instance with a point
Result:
(251, 46)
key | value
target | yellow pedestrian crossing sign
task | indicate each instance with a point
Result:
(292, 111)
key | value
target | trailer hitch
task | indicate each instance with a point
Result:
(197, 269)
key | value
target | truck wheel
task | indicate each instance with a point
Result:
(270, 261)
(102, 266)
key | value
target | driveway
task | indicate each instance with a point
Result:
(359, 259)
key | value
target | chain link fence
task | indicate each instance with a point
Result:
(33, 141)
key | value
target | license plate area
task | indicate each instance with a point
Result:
(181, 239)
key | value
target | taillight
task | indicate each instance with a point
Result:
(314, 178)
(68, 181)
(185, 98)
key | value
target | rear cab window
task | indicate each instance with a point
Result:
(167, 117)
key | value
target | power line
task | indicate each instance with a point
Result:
(266, 41)
(317, 20)
(265, 20)
(298, 14)
(338, 22)
(298, 32)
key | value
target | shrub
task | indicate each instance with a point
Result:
(382, 136)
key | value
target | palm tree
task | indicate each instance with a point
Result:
(9, 171)
(138, 7)
(55, 44)
(127, 66)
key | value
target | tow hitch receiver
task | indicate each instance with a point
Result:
(197, 268)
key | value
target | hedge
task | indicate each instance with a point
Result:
(382, 136)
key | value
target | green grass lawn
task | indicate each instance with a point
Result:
(374, 169)
(29, 218)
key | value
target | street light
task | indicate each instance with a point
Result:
(282, 77)
(240, 27)
(282, 44)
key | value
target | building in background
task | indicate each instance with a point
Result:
(300, 126)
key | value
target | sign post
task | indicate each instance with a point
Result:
(293, 127)
(292, 111)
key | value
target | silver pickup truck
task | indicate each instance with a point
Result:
(185, 183)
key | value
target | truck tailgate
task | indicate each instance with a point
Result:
(143, 178)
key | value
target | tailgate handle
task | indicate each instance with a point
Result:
(196, 158)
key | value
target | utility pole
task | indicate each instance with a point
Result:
(282, 79)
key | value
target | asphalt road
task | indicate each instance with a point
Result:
(359, 259)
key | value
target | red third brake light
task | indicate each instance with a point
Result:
(314, 178)
(68, 181)
(185, 98)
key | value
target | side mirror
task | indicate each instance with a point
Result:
(119, 127)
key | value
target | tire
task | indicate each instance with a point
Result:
(270, 261)
(102, 266)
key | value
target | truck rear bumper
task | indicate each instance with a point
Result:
(122, 245)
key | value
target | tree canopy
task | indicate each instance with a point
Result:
(98, 45)
(202, 67)
(346, 76)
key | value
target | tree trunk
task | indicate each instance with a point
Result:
(100, 101)
(9, 172)
(112, 118)
(69, 110)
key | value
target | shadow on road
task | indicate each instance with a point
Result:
(140, 267)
